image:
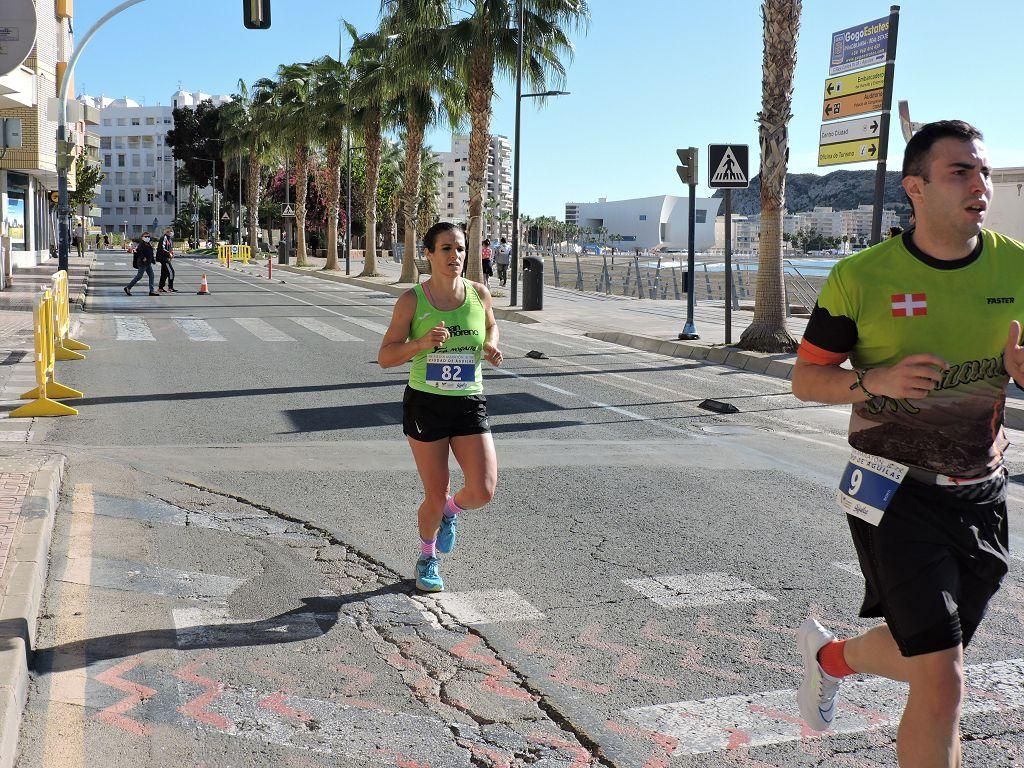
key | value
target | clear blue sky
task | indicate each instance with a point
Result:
(649, 76)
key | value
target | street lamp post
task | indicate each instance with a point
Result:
(348, 205)
(521, 16)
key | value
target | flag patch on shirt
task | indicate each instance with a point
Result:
(909, 304)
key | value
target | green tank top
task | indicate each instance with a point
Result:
(454, 367)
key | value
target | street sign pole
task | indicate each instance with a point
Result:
(728, 266)
(689, 328)
(890, 67)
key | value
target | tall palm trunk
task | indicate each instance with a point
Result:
(333, 202)
(411, 196)
(301, 187)
(767, 332)
(481, 94)
(371, 139)
(252, 198)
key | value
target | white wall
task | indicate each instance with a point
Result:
(1006, 214)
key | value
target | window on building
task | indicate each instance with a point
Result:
(119, 142)
(133, 142)
(104, 142)
(119, 177)
(147, 211)
(107, 121)
(451, 174)
(150, 121)
(700, 215)
(122, 121)
(136, 121)
(106, 161)
(643, 217)
(167, 121)
(463, 167)
(121, 161)
(119, 211)
(150, 161)
(136, 161)
(451, 195)
(450, 206)
(462, 189)
(120, 195)
(136, 195)
(451, 183)
(150, 197)
(108, 195)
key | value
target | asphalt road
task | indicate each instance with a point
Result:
(231, 570)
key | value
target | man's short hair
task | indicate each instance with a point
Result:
(915, 156)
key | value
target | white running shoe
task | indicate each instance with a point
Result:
(819, 691)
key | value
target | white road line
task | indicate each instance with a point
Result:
(491, 606)
(132, 328)
(368, 325)
(261, 329)
(323, 329)
(849, 566)
(692, 590)
(717, 725)
(197, 330)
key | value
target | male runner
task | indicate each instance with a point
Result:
(930, 321)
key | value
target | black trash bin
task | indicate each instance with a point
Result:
(533, 283)
(282, 251)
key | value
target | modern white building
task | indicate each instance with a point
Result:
(138, 189)
(1006, 214)
(649, 223)
(453, 196)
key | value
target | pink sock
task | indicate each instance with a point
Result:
(451, 509)
(428, 547)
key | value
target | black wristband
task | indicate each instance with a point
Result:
(860, 373)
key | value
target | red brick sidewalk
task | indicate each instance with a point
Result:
(13, 487)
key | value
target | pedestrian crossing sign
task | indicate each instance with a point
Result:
(728, 165)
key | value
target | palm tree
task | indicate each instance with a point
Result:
(767, 332)
(431, 174)
(421, 71)
(485, 41)
(389, 189)
(372, 77)
(246, 129)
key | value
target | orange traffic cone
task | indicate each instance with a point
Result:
(204, 289)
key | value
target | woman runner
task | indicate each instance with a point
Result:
(445, 326)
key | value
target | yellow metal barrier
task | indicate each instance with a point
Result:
(225, 253)
(65, 347)
(44, 397)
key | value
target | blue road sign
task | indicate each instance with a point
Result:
(861, 46)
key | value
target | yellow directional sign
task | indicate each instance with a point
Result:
(856, 104)
(863, 151)
(856, 82)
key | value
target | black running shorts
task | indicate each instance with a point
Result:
(932, 565)
(428, 417)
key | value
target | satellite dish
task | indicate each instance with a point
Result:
(17, 33)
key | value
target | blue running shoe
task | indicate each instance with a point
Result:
(428, 578)
(446, 535)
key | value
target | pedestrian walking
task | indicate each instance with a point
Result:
(502, 258)
(106, 242)
(164, 255)
(446, 327)
(485, 261)
(929, 323)
(97, 241)
(79, 240)
(142, 260)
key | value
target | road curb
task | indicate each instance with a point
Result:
(779, 366)
(19, 609)
(511, 315)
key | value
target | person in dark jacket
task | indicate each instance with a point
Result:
(143, 262)
(164, 254)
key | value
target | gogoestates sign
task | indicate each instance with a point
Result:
(859, 46)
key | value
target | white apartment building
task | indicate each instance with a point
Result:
(854, 224)
(453, 196)
(138, 189)
(660, 222)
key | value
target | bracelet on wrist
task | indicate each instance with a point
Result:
(860, 373)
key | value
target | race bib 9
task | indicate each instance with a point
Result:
(446, 371)
(868, 486)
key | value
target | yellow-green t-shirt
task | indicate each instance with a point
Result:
(892, 300)
(444, 370)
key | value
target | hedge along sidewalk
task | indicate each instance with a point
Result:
(30, 483)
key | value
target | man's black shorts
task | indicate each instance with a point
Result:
(934, 562)
(428, 417)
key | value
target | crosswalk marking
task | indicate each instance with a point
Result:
(132, 328)
(197, 330)
(261, 329)
(323, 329)
(772, 717)
(489, 606)
(368, 325)
(696, 589)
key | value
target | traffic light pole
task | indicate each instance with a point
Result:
(63, 151)
(689, 329)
